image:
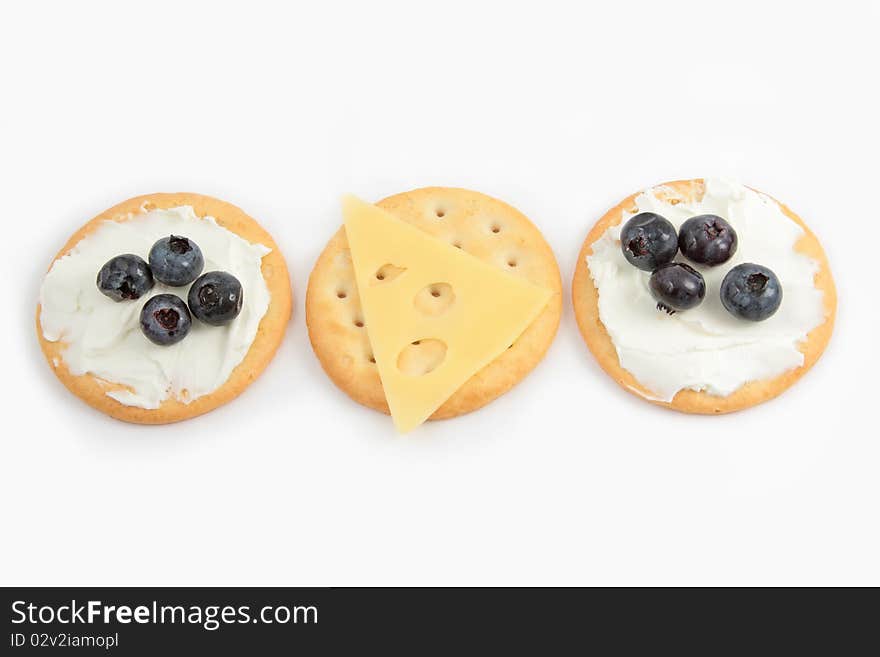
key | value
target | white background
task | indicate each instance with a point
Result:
(558, 109)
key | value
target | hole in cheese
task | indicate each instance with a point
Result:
(388, 272)
(421, 357)
(434, 299)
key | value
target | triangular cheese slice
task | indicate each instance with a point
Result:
(435, 315)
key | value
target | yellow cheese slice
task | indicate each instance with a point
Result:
(435, 315)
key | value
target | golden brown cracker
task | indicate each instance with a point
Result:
(585, 298)
(269, 333)
(481, 225)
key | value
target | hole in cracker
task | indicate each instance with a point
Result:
(495, 228)
(341, 294)
(434, 299)
(456, 244)
(372, 359)
(511, 262)
(358, 322)
(440, 212)
(421, 357)
(387, 273)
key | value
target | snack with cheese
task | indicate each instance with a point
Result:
(730, 348)
(432, 303)
(109, 345)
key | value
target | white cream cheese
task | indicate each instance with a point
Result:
(706, 348)
(103, 337)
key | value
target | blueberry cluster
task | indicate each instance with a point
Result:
(650, 242)
(215, 297)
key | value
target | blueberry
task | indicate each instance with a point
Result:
(165, 319)
(751, 292)
(176, 261)
(216, 298)
(125, 277)
(677, 286)
(707, 239)
(648, 241)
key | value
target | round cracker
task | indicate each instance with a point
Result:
(585, 297)
(270, 332)
(483, 226)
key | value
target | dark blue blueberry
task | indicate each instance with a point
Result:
(677, 286)
(751, 292)
(648, 241)
(176, 261)
(125, 277)
(165, 319)
(707, 239)
(216, 298)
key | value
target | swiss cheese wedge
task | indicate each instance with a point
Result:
(434, 314)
